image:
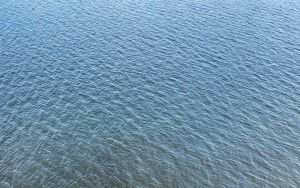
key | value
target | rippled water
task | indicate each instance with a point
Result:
(189, 93)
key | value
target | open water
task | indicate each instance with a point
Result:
(149, 93)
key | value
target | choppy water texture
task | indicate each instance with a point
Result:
(163, 93)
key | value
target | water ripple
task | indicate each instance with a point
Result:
(149, 93)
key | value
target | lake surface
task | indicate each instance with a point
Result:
(160, 93)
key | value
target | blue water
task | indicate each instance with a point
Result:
(160, 93)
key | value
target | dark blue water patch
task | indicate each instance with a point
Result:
(149, 93)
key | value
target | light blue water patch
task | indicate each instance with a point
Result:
(190, 93)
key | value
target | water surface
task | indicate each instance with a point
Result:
(160, 93)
